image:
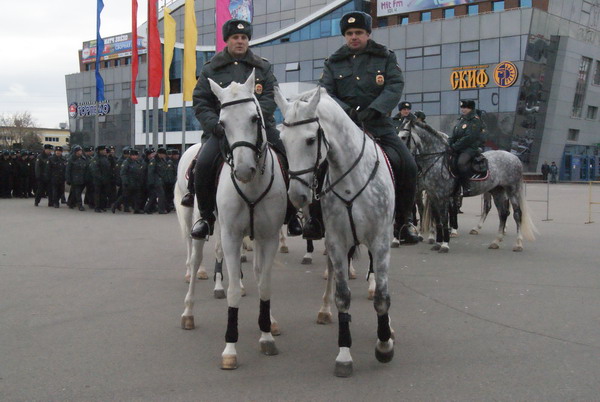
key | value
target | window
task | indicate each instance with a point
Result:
(580, 88)
(127, 60)
(498, 6)
(426, 16)
(592, 112)
(525, 3)
(597, 74)
(573, 135)
(404, 21)
(87, 67)
(117, 62)
(473, 9)
(449, 13)
(106, 64)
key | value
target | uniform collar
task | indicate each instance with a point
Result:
(373, 48)
(223, 58)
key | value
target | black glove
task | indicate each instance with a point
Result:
(353, 114)
(368, 115)
(219, 131)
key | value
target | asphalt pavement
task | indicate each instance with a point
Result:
(90, 308)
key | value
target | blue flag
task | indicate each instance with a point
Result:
(99, 51)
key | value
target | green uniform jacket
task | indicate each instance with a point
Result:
(369, 79)
(42, 167)
(157, 172)
(224, 69)
(132, 173)
(467, 135)
(58, 165)
(100, 169)
(76, 168)
(171, 173)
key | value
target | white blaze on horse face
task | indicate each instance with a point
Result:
(301, 156)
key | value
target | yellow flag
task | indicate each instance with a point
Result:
(169, 27)
(190, 39)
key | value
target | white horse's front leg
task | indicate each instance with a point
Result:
(187, 318)
(324, 316)
(231, 249)
(283, 248)
(263, 264)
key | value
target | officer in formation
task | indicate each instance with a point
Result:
(58, 164)
(234, 64)
(467, 138)
(158, 175)
(132, 177)
(366, 81)
(42, 174)
(75, 176)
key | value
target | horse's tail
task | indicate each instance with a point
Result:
(528, 229)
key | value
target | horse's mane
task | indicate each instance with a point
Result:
(438, 134)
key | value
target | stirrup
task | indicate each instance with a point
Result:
(188, 200)
(312, 230)
(202, 229)
(294, 227)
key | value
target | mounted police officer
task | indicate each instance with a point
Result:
(366, 81)
(404, 115)
(42, 174)
(234, 64)
(467, 137)
(101, 176)
(75, 175)
(58, 165)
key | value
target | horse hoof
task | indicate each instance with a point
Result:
(219, 294)
(436, 247)
(324, 318)
(187, 278)
(306, 261)
(187, 322)
(229, 362)
(454, 234)
(243, 292)
(421, 238)
(243, 258)
(275, 331)
(384, 357)
(325, 252)
(202, 275)
(431, 241)
(343, 369)
(494, 246)
(443, 250)
(284, 249)
(371, 295)
(518, 248)
(268, 348)
(395, 243)
(352, 275)
(474, 232)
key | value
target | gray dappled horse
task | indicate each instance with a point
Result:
(357, 201)
(251, 200)
(504, 182)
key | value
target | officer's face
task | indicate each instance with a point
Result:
(404, 112)
(134, 157)
(237, 45)
(465, 110)
(78, 153)
(58, 153)
(356, 38)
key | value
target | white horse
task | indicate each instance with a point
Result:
(251, 200)
(357, 201)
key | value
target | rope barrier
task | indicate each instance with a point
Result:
(590, 202)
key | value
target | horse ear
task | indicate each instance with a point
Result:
(313, 102)
(280, 100)
(216, 89)
(249, 84)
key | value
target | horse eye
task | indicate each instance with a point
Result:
(310, 141)
(254, 119)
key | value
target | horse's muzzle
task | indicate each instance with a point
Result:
(245, 174)
(299, 195)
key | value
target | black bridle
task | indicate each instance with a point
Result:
(258, 147)
(421, 157)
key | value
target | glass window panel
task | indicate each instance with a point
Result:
(414, 64)
(489, 51)
(431, 50)
(404, 21)
(510, 48)
(431, 62)
(431, 97)
(469, 59)
(508, 99)
(525, 3)
(432, 108)
(315, 30)
(414, 98)
(597, 74)
(449, 13)
(473, 9)
(469, 46)
(498, 6)
(450, 55)
(426, 16)
(580, 89)
(414, 52)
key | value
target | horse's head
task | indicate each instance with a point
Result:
(410, 137)
(304, 142)
(242, 122)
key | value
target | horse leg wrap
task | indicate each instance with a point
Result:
(344, 338)
(218, 270)
(231, 336)
(439, 233)
(446, 235)
(264, 317)
(383, 328)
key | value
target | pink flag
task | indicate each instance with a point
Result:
(134, 52)
(223, 15)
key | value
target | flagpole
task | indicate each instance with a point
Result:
(96, 128)
(164, 139)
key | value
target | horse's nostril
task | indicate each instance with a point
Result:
(252, 170)
(304, 198)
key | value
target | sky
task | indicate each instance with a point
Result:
(39, 43)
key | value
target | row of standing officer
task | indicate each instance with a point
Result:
(17, 174)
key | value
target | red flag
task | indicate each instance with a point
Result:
(134, 52)
(155, 67)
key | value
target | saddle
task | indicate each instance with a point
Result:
(479, 168)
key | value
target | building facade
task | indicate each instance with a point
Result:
(532, 65)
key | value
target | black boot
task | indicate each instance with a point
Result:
(188, 200)
(405, 231)
(466, 187)
(203, 228)
(313, 229)
(294, 227)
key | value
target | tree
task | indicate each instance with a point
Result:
(19, 128)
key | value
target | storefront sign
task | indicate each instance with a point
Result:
(392, 7)
(87, 109)
(469, 77)
(114, 47)
(505, 74)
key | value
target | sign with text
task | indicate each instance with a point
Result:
(392, 7)
(114, 48)
(469, 77)
(87, 109)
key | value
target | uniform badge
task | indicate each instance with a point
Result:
(351, 20)
(379, 79)
(464, 126)
(240, 26)
(258, 89)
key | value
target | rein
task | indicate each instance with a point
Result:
(436, 155)
(259, 149)
(294, 175)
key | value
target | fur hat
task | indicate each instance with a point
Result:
(101, 148)
(468, 103)
(233, 27)
(48, 146)
(404, 105)
(355, 19)
(58, 148)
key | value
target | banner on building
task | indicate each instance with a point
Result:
(114, 47)
(393, 7)
(231, 9)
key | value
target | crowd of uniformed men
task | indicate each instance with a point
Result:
(97, 178)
